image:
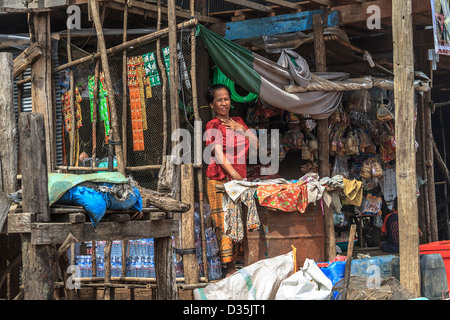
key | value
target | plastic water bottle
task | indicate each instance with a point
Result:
(88, 266)
(211, 270)
(152, 266)
(208, 243)
(100, 266)
(151, 247)
(139, 267)
(214, 243)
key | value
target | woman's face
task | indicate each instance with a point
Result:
(221, 103)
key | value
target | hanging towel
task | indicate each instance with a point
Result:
(353, 191)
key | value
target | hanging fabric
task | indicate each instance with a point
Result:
(133, 75)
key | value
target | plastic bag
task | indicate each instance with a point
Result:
(340, 166)
(307, 153)
(383, 113)
(365, 143)
(371, 205)
(309, 283)
(351, 144)
(258, 281)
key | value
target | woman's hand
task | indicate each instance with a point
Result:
(231, 124)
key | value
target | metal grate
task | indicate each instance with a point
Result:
(153, 136)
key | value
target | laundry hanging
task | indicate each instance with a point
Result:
(266, 78)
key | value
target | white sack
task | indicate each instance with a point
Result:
(258, 281)
(309, 283)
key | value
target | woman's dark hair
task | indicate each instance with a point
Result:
(212, 89)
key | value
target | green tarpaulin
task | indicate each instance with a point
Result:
(266, 78)
(59, 183)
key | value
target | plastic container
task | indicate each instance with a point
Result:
(433, 278)
(441, 247)
(280, 231)
(367, 267)
(334, 271)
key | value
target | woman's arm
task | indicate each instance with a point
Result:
(225, 164)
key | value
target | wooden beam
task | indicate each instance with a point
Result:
(42, 84)
(8, 131)
(405, 150)
(37, 276)
(138, 7)
(251, 5)
(353, 13)
(26, 58)
(285, 4)
(323, 139)
(285, 23)
(190, 264)
(56, 232)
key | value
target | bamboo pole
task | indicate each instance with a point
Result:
(429, 166)
(405, 150)
(124, 84)
(72, 101)
(112, 103)
(323, 138)
(95, 102)
(119, 48)
(164, 82)
(198, 139)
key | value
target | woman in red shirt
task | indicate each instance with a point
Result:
(229, 139)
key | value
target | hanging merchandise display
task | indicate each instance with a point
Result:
(142, 84)
(183, 74)
(104, 105)
(151, 69)
(220, 78)
(67, 111)
(103, 108)
(134, 76)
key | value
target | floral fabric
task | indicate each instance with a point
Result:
(288, 197)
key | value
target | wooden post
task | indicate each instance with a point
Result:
(162, 67)
(8, 132)
(429, 166)
(124, 85)
(173, 72)
(405, 150)
(112, 103)
(348, 262)
(165, 270)
(190, 264)
(42, 83)
(323, 139)
(72, 102)
(10, 244)
(198, 163)
(37, 276)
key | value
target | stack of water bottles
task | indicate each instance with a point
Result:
(212, 247)
(140, 261)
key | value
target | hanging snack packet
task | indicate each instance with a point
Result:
(383, 113)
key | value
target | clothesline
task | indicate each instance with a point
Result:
(283, 195)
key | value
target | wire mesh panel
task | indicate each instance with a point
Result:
(153, 134)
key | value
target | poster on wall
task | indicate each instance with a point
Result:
(441, 26)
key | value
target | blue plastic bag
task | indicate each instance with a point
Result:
(96, 203)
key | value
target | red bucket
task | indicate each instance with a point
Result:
(441, 247)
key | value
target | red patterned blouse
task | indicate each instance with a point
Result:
(235, 147)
